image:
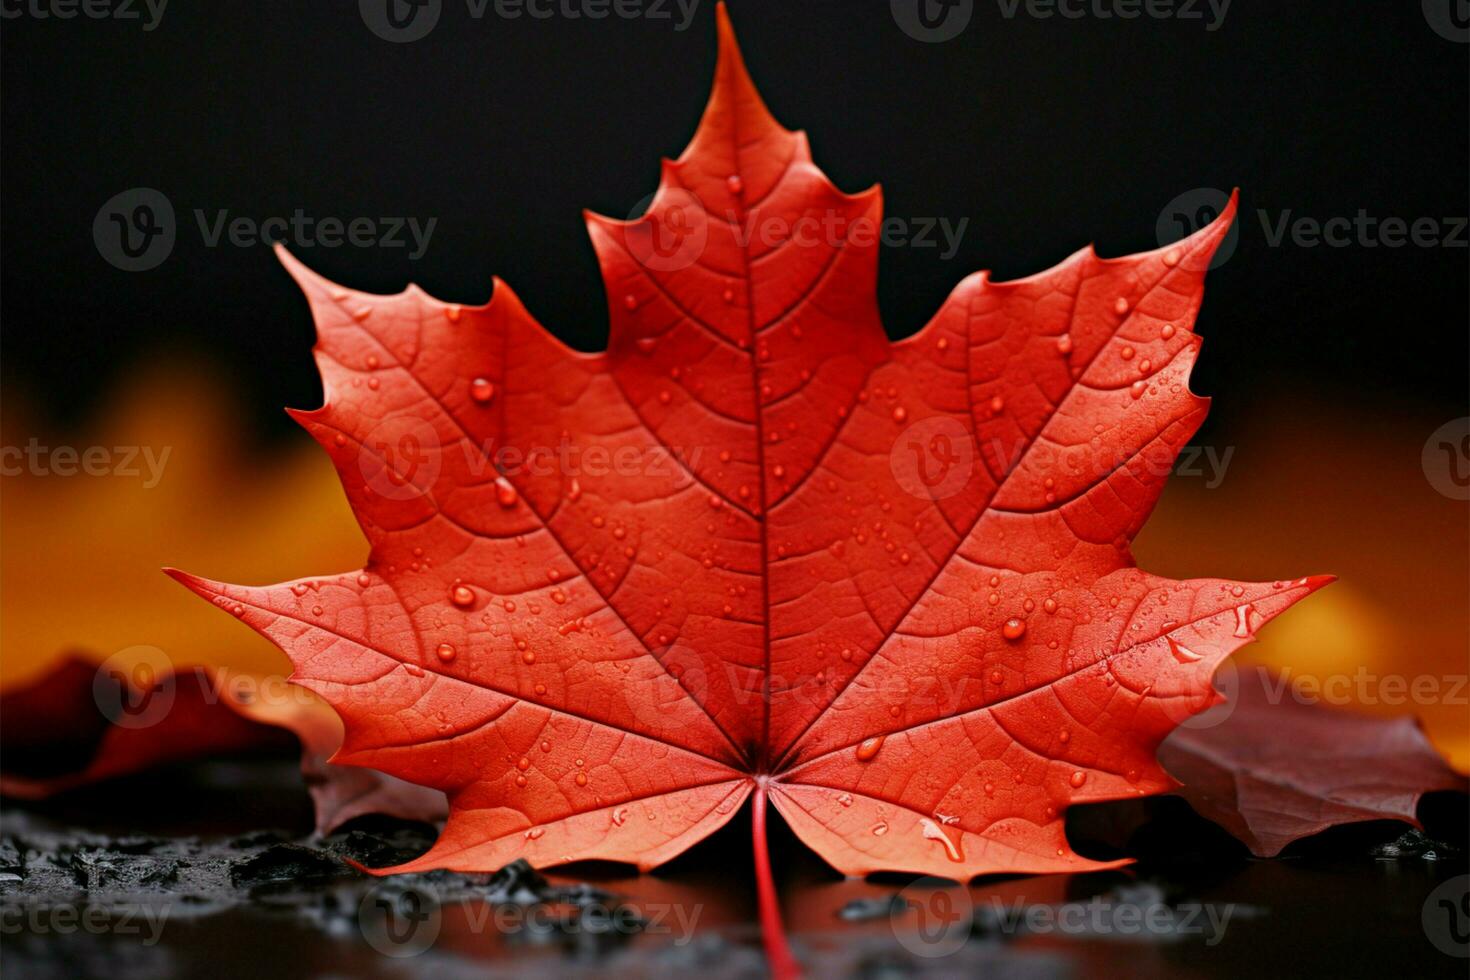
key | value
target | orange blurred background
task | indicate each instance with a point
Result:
(1311, 485)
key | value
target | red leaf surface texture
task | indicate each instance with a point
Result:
(886, 586)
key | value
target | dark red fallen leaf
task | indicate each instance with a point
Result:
(756, 549)
(77, 725)
(1277, 770)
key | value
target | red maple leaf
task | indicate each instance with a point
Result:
(754, 547)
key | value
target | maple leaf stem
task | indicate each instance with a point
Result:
(778, 951)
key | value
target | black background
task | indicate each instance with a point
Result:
(1045, 134)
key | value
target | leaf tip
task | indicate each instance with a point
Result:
(199, 586)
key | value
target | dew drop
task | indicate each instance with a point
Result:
(735, 184)
(1078, 778)
(1013, 629)
(482, 390)
(1120, 305)
(1246, 621)
(1049, 604)
(462, 595)
(1137, 389)
(844, 799)
(1171, 257)
(581, 779)
(574, 490)
(900, 413)
(1182, 653)
(630, 302)
(1168, 331)
(620, 816)
(445, 652)
(880, 828)
(535, 833)
(414, 670)
(867, 750)
(931, 831)
(452, 311)
(505, 494)
(1064, 344)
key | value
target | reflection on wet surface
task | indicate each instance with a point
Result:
(107, 883)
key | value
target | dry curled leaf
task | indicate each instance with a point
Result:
(1277, 770)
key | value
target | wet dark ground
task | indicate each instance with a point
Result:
(211, 871)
